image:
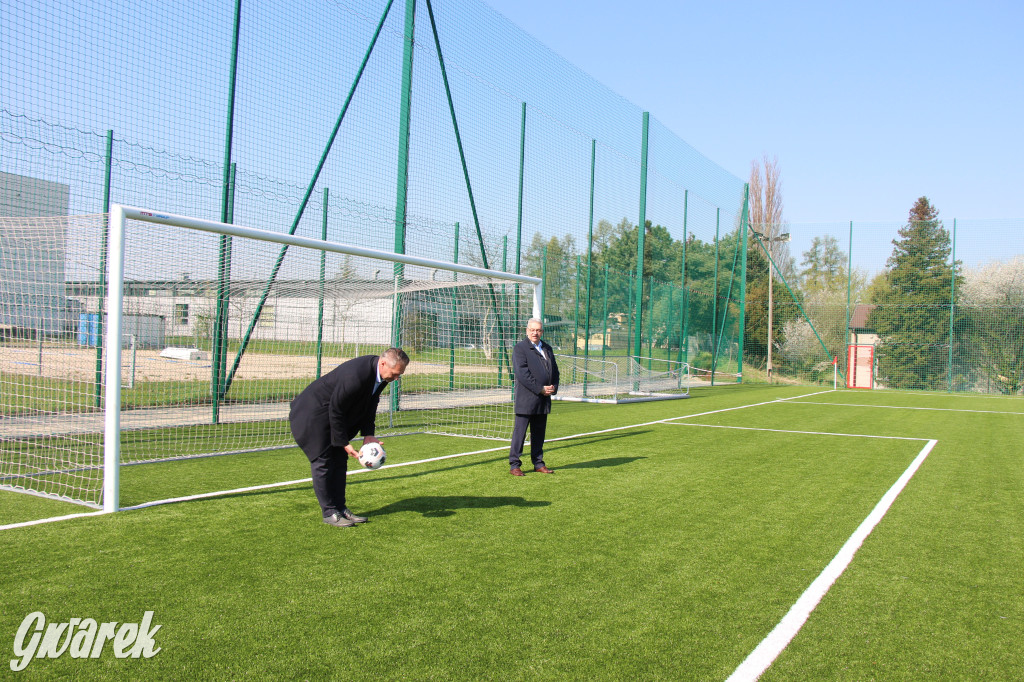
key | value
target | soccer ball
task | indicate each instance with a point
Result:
(372, 455)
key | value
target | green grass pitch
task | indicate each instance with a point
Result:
(666, 550)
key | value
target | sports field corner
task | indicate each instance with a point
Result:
(791, 533)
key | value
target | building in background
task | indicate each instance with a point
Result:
(33, 302)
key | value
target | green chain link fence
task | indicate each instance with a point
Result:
(444, 131)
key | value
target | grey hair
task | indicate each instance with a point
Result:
(395, 356)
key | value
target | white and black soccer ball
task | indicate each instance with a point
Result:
(372, 455)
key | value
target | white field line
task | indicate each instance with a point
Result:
(779, 638)
(901, 407)
(235, 491)
(808, 433)
(944, 394)
(51, 519)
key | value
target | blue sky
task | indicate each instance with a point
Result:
(867, 105)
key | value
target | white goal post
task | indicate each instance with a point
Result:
(294, 307)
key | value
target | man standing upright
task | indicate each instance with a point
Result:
(330, 412)
(536, 381)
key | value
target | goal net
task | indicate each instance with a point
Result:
(220, 327)
(625, 379)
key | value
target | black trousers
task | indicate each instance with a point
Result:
(538, 424)
(329, 467)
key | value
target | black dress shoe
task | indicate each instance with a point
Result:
(352, 517)
(338, 520)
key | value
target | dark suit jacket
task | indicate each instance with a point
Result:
(532, 375)
(338, 405)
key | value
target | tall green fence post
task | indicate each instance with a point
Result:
(218, 351)
(108, 163)
(744, 215)
(519, 204)
(605, 341)
(952, 307)
(849, 286)
(641, 230)
(650, 322)
(543, 283)
(669, 329)
(320, 299)
(231, 192)
(630, 318)
(504, 306)
(576, 317)
(455, 317)
(402, 190)
(714, 303)
(590, 259)
(684, 351)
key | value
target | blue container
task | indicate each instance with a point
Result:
(89, 329)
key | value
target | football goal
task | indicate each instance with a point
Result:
(625, 379)
(158, 337)
(861, 364)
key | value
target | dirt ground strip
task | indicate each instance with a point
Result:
(79, 364)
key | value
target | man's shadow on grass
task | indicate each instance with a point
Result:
(445, 505)
(599, 463)
(593, 439)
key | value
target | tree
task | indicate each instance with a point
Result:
(662, 254)
(993, 304)
(827, 288)
(765, 214)
(767, 224)
(824, 266)
(663, 257)
(912, 315)
(560, 285)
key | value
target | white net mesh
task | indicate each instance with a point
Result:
(47, 369)
(210, 364)
(621, 379)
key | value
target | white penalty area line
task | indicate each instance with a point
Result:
(779, 638)
(902, 407)
(806, 433)
(269, 486)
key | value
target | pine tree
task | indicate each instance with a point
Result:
(912, 317)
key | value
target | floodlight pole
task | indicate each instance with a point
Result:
(765, 239)
(771, 308)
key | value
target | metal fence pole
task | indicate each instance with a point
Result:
(952, 307)
(320, 300)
